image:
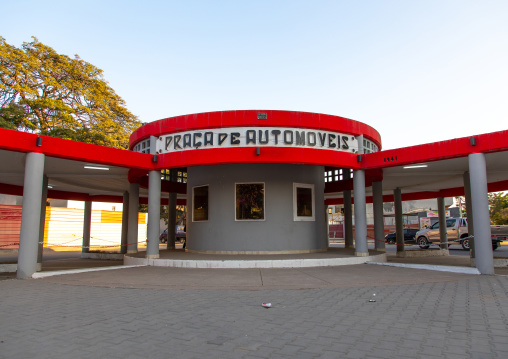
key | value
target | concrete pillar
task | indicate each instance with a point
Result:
(469, 212)
(171, 220)
(132, 227)
(30, 215)
(125, 223)
(154, 208)
(87, 224)
(348, 213)
(480, 202)
(325, 225)
(44, 199)
(360, 209)
(379, 222)
(399, 219)
(348, 220)
(441, 212)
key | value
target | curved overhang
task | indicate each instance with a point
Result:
(252, 118)
(432, 170)
(446, 162)
(256, 136)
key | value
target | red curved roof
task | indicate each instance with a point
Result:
(223, 119)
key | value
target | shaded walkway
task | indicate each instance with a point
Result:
(181, 277)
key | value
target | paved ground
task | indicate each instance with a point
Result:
(151, 312)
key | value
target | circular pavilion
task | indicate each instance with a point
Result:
(254, 182)
(255, 179)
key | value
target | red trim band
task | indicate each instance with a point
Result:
(274, 118)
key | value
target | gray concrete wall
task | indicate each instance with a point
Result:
(278, 232)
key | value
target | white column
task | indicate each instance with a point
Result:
(481, 219)
(379, 223)
(360, 209)
(132, 230)
(348, 220)
(399, 219)
(30, 215)
(171, 221)
(154, 208)
(441, 212)
(87, 224)
(42, 224)
(470, 213)
(125, 223)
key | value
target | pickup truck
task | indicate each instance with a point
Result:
(457, 231)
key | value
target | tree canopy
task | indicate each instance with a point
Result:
(498, 207)
(51, 94)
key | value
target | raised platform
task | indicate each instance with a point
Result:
(179, 259)
(423, 253)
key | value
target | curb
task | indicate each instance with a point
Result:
(453, 269)
(247, 264)
(75, 271)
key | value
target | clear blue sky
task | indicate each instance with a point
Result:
(417, 71)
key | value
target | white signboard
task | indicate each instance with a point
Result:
(436, 214)
(256, 137)
(425, 223)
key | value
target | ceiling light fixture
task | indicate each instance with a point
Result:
(415, 166)
(97, 168)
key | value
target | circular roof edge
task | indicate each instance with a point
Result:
(254, 118)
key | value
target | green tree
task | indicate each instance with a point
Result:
(498, 208)
(47, 93)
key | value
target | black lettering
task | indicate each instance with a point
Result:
(311, 138)
(250, 137)
(290, 140)
(168, 141)
(331, 139)
(194, 137)
(176, 143)
(261, 141)
(345, 145)
(234, 138)
(222, 138)
(208, 138)
(322, 138)
(276, 134)
(187, 140)
(300, 138)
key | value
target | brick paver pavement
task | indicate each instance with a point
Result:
(457, 316)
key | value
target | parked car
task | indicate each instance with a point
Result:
(457, 231)
(180, 235)
(409, 236)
